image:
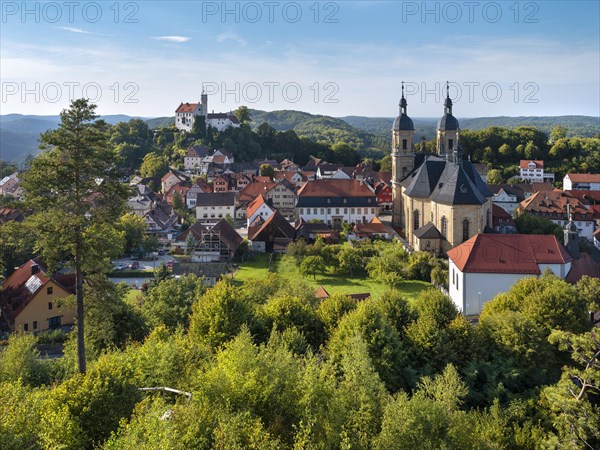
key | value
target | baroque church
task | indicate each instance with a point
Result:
(439, 201)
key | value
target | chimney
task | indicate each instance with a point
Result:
(35, 269)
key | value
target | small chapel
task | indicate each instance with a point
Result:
(439, 200)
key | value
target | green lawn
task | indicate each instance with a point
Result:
(332, 283)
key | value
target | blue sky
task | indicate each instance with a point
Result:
(334, 58)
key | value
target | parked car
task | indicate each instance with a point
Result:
(121, 266)
(135, 265)
(161, 253)
(170, 263)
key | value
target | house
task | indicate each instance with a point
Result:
(488, 264)
(223, 183)
(221, 121)
(375, 228)
(428, 239)
(294, 177)
(200, 186)
(181, 189)
(192, 161)
(221, 156)
(281, 194)
(186, 113)
(532, 170)
(10, 215)
(194, 233)
(506, 197)
(161, 221)
(260, 207)
(31, 299)
(171, 178)
(583, 181)
(384, 195)
(502, 222)
(335, 202)
(213, 206)
(221, 238)
(273, 235)
(313, 163)
(327, 170)
(554, 205)
(10, 186)
(289, 165)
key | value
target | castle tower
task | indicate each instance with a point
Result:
(204, 103)
(447, 129)
(403, 157)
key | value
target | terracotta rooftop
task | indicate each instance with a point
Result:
(555, 202)
(254, 189)
(584, 177)
(508, 253)
(585, 265)
(187, 107)
(335, 188)
(524, 163)
(256, 204)
(373, 227)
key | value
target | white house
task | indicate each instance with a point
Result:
(506, 200)
(335, 202)
(488, 264)
(186, 113)
(581, 181)
(214, 206)
(221, 121)
(532, 170)
(260, 207)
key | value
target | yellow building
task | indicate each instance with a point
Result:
(32, 301)
(439, 201)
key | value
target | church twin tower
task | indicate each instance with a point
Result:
(404, 155)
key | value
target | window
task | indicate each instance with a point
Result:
(404, 144)
(465, 229)
(345, 210)
(322, 211)
(35, 324)
(49, 305)
(444, 227)
(49, 290)
(25, 327)
(415, 219)
(450, 144)
(315, 211)
(337, 210)
(351, 210)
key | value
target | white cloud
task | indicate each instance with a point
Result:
(233, 37)
(176, 39)
(75, 30)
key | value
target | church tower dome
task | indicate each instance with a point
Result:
(403, 155)
(447, 128)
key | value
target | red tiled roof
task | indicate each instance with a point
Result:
(508, 253)
(256, 203)
(584, 177)
(8, 214)
(335, 188)
(375, 226)
(524, 164)
(254, 189)
(555, 202)
(187, 107)
(586, 196)
(22, 286)
(499, 213)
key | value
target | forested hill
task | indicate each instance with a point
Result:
(581, 126)
(369, 135)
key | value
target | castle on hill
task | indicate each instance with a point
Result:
(186, 114)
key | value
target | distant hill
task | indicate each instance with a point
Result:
(584, 126)
(19, 133)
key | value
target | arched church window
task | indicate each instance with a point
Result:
(415, 219)
(444, 227)
(404, 144)
(465, 230)
(450, 144)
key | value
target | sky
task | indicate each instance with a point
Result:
(336, 58)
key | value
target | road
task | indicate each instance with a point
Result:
(144, 265)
